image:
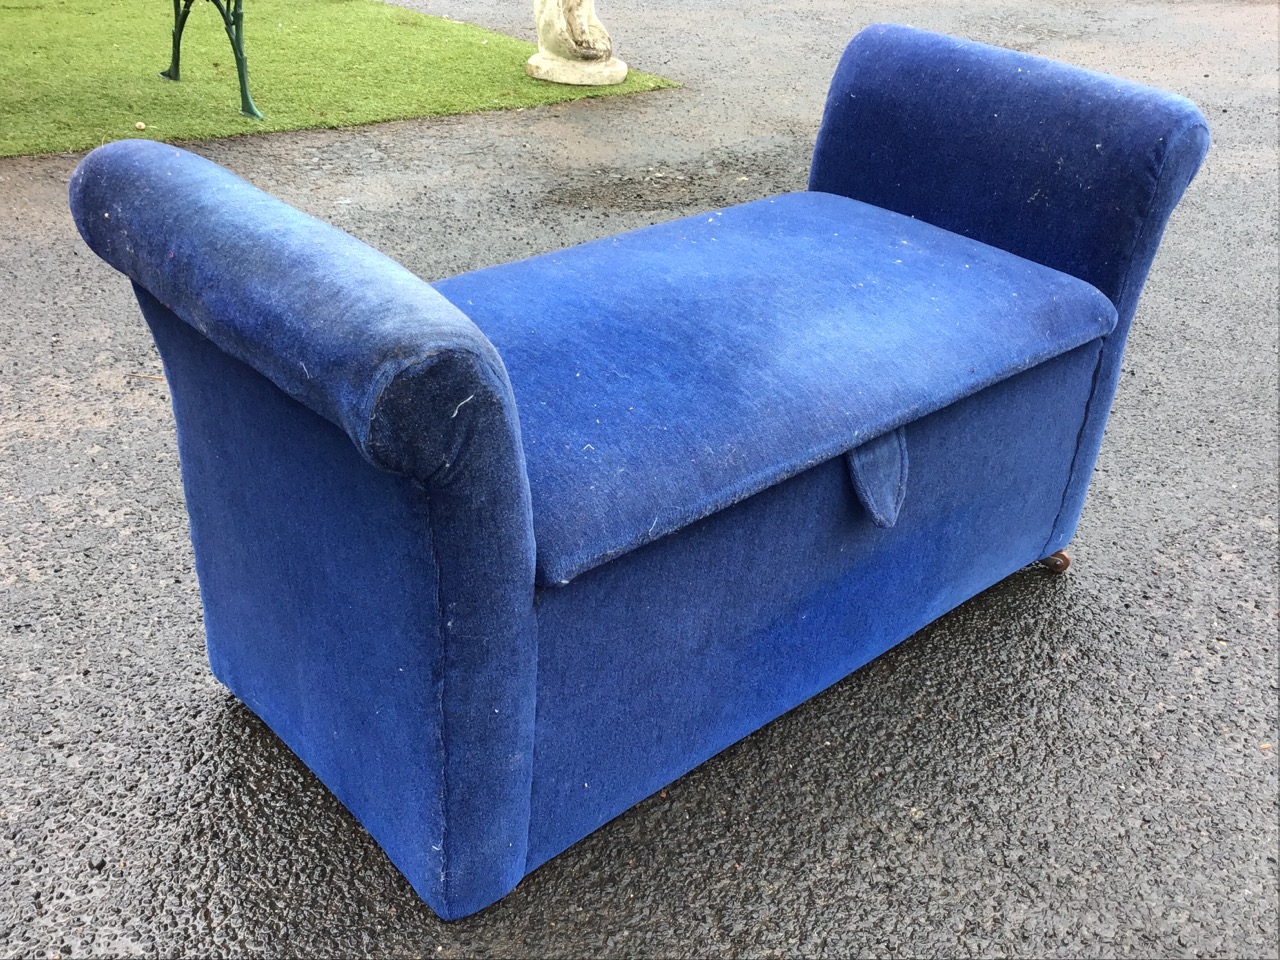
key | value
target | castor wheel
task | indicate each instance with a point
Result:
(1057, 562)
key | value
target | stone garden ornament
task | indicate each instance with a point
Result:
(573, 45)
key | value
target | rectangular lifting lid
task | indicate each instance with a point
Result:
(667, 373)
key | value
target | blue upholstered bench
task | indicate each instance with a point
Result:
(501, 556)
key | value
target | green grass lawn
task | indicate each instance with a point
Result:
(77, 73)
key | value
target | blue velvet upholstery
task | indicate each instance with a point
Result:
(652, 663)
(1076, 170)
(879, 469)
(497, 562)
(420, 393)
(631, 434)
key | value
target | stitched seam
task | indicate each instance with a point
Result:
(868, 493)
(443, 748)
(901, 495)
(535, 626)
(489, 374)
(1170, 149)
(1075, 455)
(1141, 234)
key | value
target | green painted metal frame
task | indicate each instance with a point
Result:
(232, 12)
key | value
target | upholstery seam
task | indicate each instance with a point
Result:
(443, 745)
(900, 496)
(865, 490)
(1075, 454)
(1141, 234)
(1174, 140)
(491, 375)
(536, 627)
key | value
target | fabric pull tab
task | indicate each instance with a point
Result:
(879, 472)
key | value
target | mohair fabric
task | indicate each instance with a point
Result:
(726, 460)
(698, 366)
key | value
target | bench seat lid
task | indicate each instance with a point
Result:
(664, 374)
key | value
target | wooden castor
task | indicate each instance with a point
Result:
(1057, 562)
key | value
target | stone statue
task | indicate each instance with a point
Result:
(573, 45)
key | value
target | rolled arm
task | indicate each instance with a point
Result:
(1070, 168)
(420, 392)
(333, 323)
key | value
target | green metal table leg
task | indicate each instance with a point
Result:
(235, 33)
(180, 13)
(233, 20)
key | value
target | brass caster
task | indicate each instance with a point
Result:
(1057, 562)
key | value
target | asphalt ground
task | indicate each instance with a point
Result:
(1065, 766)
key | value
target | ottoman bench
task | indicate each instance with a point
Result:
(499, 557)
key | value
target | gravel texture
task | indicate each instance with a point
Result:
(1073, 766)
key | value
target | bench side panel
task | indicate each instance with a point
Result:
(1073, 169)
(327, 611)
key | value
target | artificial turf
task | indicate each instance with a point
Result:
(77, 73)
